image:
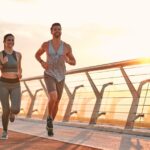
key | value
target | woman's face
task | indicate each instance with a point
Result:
(9, 42)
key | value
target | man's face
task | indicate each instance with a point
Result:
(56, 31)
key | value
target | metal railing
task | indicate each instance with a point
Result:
(115, 93)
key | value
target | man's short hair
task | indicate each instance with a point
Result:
(55, 24)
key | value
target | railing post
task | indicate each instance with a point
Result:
(46, 93)
(22, 92)
(33, 97)
(71, 97)
(99, 96)
(132, 116)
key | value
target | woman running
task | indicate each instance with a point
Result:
(11, 73)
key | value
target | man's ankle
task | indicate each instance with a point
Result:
(49, 117)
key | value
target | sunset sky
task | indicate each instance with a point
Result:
(99, 31)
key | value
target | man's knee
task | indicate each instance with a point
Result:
(56, 103)
(53, 96)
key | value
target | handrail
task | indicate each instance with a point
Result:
(101, 67)
(99, 89)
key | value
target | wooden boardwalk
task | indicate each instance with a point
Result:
(20, 141)
(31, 134)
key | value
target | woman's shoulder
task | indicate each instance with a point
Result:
(1, 52)
(18, 53)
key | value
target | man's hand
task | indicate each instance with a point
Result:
(69, 59)
(66, 59)
(44, 65)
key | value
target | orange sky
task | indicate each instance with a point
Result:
(99, 31)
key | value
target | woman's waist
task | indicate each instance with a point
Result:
(9, 69)
(10, 75)
(9, 80)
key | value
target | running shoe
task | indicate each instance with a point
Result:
(49, 126)
(4, 135)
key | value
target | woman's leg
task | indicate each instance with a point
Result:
(15, 97)
(4, 98)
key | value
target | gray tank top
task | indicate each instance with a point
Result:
(11, 65)
(56, 68)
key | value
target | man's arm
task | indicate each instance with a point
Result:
(38, 56)
(39, 53)
(69, 58)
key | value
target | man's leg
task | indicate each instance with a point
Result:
(59, 87)
(55, 109)
(52, 93)
(52, 102)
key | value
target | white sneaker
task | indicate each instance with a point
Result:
(4, 135)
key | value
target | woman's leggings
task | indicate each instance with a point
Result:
(10, 91)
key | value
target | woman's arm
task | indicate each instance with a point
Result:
(19, 65)
(1, 66)
(1, 55)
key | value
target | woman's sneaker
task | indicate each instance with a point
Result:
(4, 135)
(49, 126)
(12, 117)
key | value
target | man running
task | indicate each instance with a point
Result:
(57, 52)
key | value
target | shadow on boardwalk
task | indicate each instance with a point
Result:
(19, 141)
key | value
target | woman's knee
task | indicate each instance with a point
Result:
(6, 111)
(15, 111)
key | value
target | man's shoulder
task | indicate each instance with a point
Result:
(67, 45)
(45, 44)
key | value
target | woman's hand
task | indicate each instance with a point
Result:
(19, 75)
(5, 60)
(1, 66)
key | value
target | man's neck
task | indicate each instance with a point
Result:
(56, 40)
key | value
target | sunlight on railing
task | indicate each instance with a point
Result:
(111, 94)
